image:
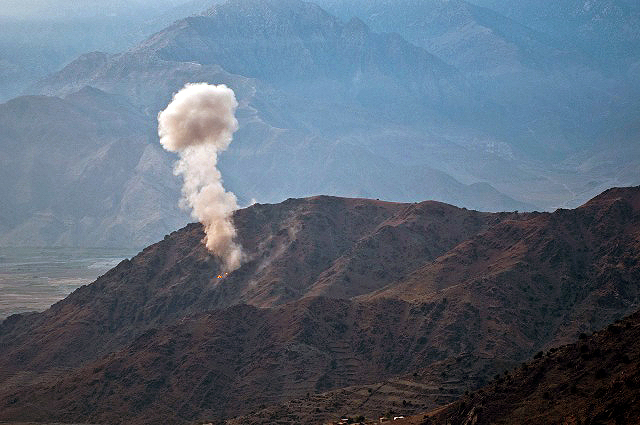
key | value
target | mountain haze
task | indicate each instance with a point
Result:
(333, 82)
(465, 105)
(41, 37)
(81, 171)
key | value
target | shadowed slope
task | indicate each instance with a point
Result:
(594, 380)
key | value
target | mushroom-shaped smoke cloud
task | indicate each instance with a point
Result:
(198, 124)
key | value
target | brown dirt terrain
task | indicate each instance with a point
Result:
(415, 302)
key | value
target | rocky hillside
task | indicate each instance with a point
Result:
(593, 380)
(338, 292)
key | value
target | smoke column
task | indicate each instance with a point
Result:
(198, 124)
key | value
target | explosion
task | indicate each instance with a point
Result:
(198, 124)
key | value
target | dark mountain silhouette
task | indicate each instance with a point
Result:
(338, 292)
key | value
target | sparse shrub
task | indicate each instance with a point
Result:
(546, 395)
(582, 336)
(538, 355)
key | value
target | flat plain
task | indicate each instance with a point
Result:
(32, 279)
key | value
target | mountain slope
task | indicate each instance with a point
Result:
(569, 264)
(82, 171)
(249, 38)
(284, 43)
(337, 292)
(293, 247)
(608, 30)
(378, 109)
(594, 380)
(334, 107)
(474, 39)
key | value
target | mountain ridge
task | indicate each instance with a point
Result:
(329, 278)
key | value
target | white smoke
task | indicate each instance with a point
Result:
(198, 124)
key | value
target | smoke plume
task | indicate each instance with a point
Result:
(198, 124)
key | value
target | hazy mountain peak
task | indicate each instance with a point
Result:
(356, 24)
(270, 10)
(282, 41)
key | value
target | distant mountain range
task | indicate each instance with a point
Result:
(462, 105)
(607, 30)
(337, 293)
(82, 170)
(41, 37)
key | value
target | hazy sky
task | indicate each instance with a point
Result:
(75, 8)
